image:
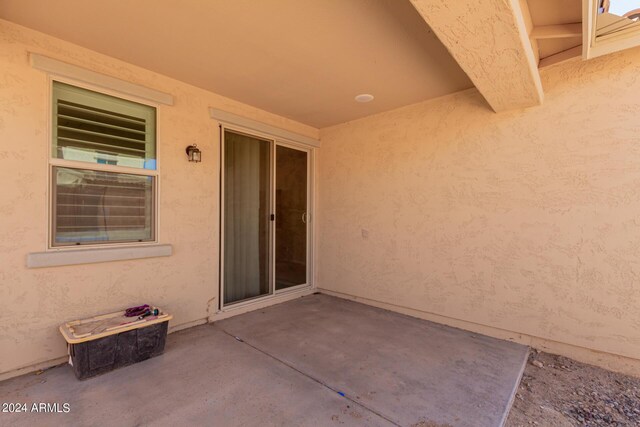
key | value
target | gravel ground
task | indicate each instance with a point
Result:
(557, 391)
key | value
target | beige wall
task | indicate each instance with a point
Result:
(524, 225)
(33, 302)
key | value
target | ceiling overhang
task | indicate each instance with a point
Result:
(490, 41)
(305, 61)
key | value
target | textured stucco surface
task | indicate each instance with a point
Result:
(33, 302)
(490, 41)
(524, 221)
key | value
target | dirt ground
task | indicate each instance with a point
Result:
(557, 391)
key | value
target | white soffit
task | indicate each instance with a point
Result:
(63, 69)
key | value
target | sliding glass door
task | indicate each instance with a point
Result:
(291, 217)
(247, 206)
(265, 217)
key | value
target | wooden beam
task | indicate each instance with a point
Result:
(490, 41)
(565, 55)
(557, 31)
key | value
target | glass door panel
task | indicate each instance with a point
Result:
(291, 217)
(247, 210)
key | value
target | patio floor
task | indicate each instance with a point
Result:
(317, 360)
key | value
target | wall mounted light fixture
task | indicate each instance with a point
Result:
(194, 154)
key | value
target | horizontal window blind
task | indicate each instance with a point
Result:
(98, 128)
(96, 206)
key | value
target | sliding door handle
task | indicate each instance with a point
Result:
(304, 217)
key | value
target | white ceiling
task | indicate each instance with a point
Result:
(302, 59)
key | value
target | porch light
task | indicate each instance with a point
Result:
(194, 154)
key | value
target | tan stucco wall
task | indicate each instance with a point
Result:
(523, 224)
(33, 302)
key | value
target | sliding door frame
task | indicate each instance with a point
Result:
(309, 211)
(274, 143)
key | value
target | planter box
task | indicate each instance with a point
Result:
(104, 343)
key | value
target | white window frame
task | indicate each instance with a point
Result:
(56, 162)
(593, 47)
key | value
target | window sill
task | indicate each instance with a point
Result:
(94, 255)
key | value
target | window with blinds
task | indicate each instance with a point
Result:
(101, 204)
(98, 128)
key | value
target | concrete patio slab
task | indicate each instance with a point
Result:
(291, 364)
(405, 369)
(205, 377)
